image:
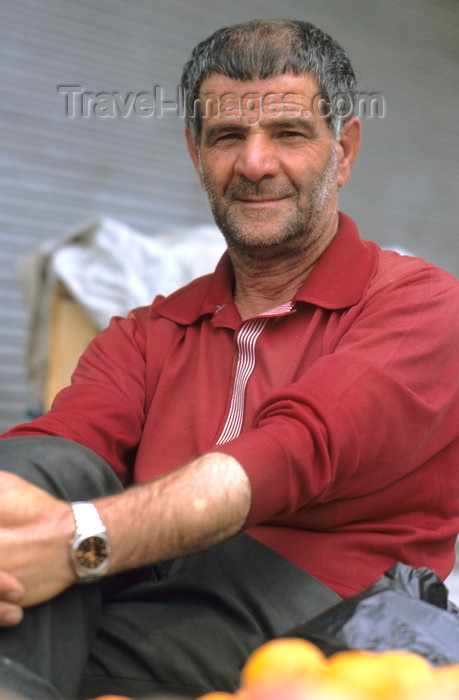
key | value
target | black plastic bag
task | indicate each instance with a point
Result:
(405, 609)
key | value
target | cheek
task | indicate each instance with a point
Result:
(301, 174)
(216, 172)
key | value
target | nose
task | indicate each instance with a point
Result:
(256, 158)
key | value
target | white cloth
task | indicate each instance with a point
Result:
(109, 268)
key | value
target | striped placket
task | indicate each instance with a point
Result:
(246, 341)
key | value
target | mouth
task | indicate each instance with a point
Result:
(266, 200)
(264, 208)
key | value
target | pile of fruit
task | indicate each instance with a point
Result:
(294, 669)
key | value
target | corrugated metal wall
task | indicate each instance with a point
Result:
(57, 171)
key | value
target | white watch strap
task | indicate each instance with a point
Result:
(87, 519)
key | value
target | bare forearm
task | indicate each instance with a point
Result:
(184, 511)
(181, 512)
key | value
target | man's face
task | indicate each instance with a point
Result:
(268, 162)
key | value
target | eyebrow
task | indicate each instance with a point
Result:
(296, 123)
(229, 124)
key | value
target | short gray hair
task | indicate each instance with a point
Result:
(266, 48)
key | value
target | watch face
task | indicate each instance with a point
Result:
(92, 552)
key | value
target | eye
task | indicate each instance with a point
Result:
(291, 134)
(224, 139)
(228, 136)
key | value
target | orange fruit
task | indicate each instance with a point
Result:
(112, 697)
(285, 692)
(381, 676)
(281, 662)
(359, 672)
(406, 674)
(446, 682)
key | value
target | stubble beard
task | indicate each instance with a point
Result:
(300, 230)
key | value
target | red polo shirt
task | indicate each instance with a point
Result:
(342, 406)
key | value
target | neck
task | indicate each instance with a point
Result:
(267, 278)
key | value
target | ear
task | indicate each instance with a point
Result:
(348, 148)
(193, 150)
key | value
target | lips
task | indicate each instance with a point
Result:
(265, 202)
(259, 194)
(260, 200)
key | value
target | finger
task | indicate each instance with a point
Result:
(11, 593)
(10, 614)
(11, 590)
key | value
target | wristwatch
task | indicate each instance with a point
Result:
(90, 548)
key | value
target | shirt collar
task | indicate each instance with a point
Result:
(343, 272)
(338, 280)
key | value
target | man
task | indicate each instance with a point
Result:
(289, 422)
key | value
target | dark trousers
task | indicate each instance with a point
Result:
(182, 627)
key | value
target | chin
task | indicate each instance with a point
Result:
(264, 248)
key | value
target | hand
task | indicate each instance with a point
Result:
(35, 529)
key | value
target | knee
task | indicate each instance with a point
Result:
(62, 467)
